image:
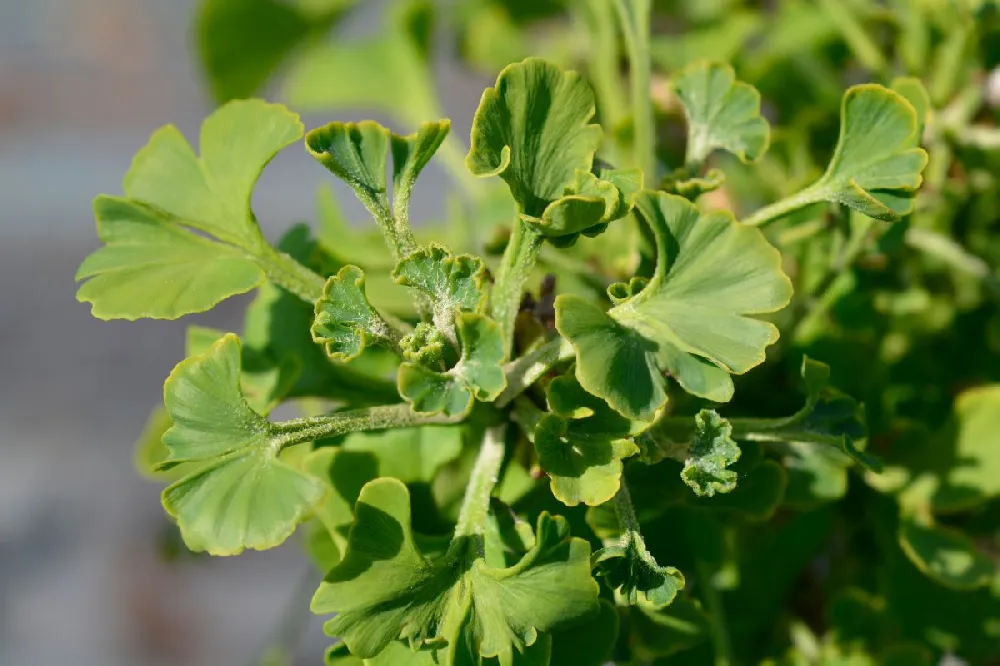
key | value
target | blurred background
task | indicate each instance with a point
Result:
(82, 85)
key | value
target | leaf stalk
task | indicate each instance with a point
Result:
(476, 503)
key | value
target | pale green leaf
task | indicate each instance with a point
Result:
(356, 153)
(411, 455)
(945, 554)
(455, 283)
(385, 589)
(241, 495)
(690, 320)
(972, 476)
(711, 452)
(345, 323)
(477, 375)
(410, 154)
(211, 193)
(722, 113)
(876, 167)
(150, 266)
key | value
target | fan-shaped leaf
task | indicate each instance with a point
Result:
(630, 570)
(690, 319)
(946, 555)
(711, 452)
(345, 322)
(456, 604)
(722, 113)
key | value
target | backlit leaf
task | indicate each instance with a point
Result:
(690, 320)
(241, 495)
(722, 113)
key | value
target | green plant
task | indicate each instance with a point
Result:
(490, 472)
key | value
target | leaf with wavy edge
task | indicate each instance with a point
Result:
(345, 323)
(454, 283)
(533, 130)
(477, 375)
(241, 495)
(711, 452)
(690, 320)
(630, 570)
(151, 265)
(722, 113)
(386, 590)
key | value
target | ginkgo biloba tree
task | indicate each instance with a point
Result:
(484, 479)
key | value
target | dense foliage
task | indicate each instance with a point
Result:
(702, 367)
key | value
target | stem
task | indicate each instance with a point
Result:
(634, 19)
(526, 370)
(476, 504)
(602, 61)
(288, 273)
(297, 431)
(717, 612)
(786, 206)
(515, 267)
(625, 512)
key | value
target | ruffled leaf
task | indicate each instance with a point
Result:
(722, 113)
(477, 375)
(240, 495)
(385, 589)
(455, 283)
(711, 452)
(630, 570)
(876, 167)
(425, 346)
(345, 323)
(356, 153)
(691, 319)
(152, 266)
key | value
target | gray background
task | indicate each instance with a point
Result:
(82, 84)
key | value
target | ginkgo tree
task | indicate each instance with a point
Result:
(433, 427)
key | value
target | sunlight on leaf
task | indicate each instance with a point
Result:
(946, 555)
(722, 113)
(690, 320)
(345, 323)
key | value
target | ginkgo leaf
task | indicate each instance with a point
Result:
(690, 320)
(454, 283)
(630, 570)
(211, 193)
(241, 495)
(876, 167)
(829, 418)
(345, 323)
(410, 154)
(385, 589)
(533, 130)
(711, 452)
(150, 266)
(945, 555)
(722, 113)
(582, 442)
(477, 375)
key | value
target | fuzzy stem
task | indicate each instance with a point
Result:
(634, 19)
(297, 431)
(526, 370)
(289, 274)
(515, 268)
(625, 511)
(476, 504)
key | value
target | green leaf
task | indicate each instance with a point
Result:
(385, 589)
(241, 495)
(877, 164)
(582, 442)
(533, 130)
(356, 153)
(345, 323)
(455, 283)
(722, 113)
(242, 42)
(409, 454)
(712, 450)
(973, 476)
(945, 555)
(150, 266)
(829, 418)
(477, 375)
(211, 193)
(691, 320)
(629, 569)
(410, 154)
